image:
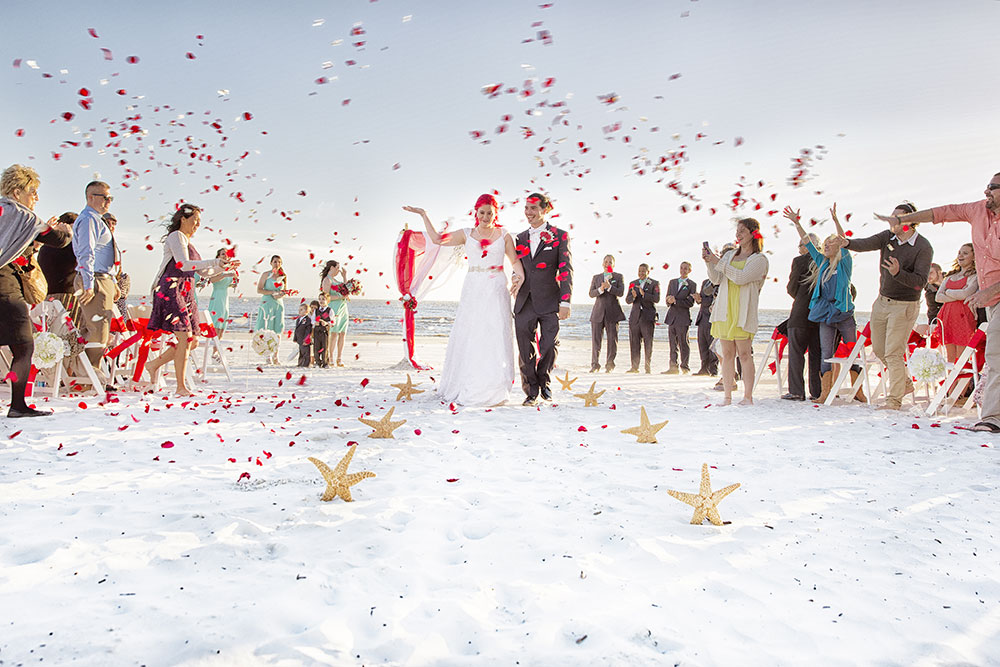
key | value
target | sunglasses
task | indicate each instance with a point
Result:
(108, 198)
(993, 186)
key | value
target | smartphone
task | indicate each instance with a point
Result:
(704, 244)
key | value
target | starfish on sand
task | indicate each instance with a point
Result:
(406, 391)
(567, 384)
(645, 431)
(705, 501)
(338, 482)
(590, 398)
(383, 427)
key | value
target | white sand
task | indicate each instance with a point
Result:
(855, 538)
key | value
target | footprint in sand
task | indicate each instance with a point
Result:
(477, 530)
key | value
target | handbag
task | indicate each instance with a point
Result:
(34, 287)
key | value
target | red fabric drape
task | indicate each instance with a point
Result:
(409, 250)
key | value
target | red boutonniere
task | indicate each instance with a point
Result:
(546, 236)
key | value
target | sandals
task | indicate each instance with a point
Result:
(985, 427)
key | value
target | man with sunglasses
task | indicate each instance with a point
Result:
(95, 285)
(984, 218)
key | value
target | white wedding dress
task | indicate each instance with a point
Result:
(479, 361)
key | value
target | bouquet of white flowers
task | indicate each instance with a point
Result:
(927, 365)
(49, 350)
(264, 342)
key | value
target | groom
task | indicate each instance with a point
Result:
(544, 297)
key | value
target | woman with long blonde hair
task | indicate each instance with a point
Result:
(831, 305)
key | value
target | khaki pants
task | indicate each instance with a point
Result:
(991, 392)
(891, 324)
(96, 315)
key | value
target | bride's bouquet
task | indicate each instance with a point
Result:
(264, 342)
(49, 350)
(350, 288)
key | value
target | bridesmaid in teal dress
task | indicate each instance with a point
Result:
(218, 305)
(339, 315)
(272, 287)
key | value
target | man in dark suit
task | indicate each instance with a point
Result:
(544, 297)
(605, 288)
(803, 335)
(643, 293)
(680, 298)
(705, 297)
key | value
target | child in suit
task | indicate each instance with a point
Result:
(303, 334)
(321, 332)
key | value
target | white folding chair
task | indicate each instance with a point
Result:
(961, 373)
(777, 346)
(212, 343)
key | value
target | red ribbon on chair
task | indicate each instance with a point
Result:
(144, 337)
(409, 250)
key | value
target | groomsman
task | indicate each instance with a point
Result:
(643, 293)
(705, 297)
(680, 298)
(605, 288)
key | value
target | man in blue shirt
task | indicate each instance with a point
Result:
(94, 248)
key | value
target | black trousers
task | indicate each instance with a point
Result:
(304, 353)
(709, 360)
(800, 341)
(640, 335)
(597, 331)
(677, 336)
(536, 363)
(321, 352)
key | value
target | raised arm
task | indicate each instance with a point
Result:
(448, 238)
(926, 215)
(793, 215)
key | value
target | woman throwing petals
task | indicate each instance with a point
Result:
(831, 305)
(479, 361)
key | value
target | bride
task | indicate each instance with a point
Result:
(479, 361)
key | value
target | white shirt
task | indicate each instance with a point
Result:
(534, 238)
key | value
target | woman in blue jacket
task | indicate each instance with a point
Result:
(831, 305)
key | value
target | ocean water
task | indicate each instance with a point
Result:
(434, 318)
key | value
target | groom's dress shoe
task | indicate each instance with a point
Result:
(546, 394)
(530, 401)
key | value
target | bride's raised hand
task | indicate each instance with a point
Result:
(415, 209)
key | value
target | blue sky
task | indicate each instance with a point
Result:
(897, 95)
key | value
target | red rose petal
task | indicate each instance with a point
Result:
(452, 479)
(166, 445)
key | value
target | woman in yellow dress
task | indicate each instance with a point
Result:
(740, 274)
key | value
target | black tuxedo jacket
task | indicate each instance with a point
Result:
(642, 307)
(606, 306)
(548, 274)
(802, 294)
(708, 292)
(679, 312)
